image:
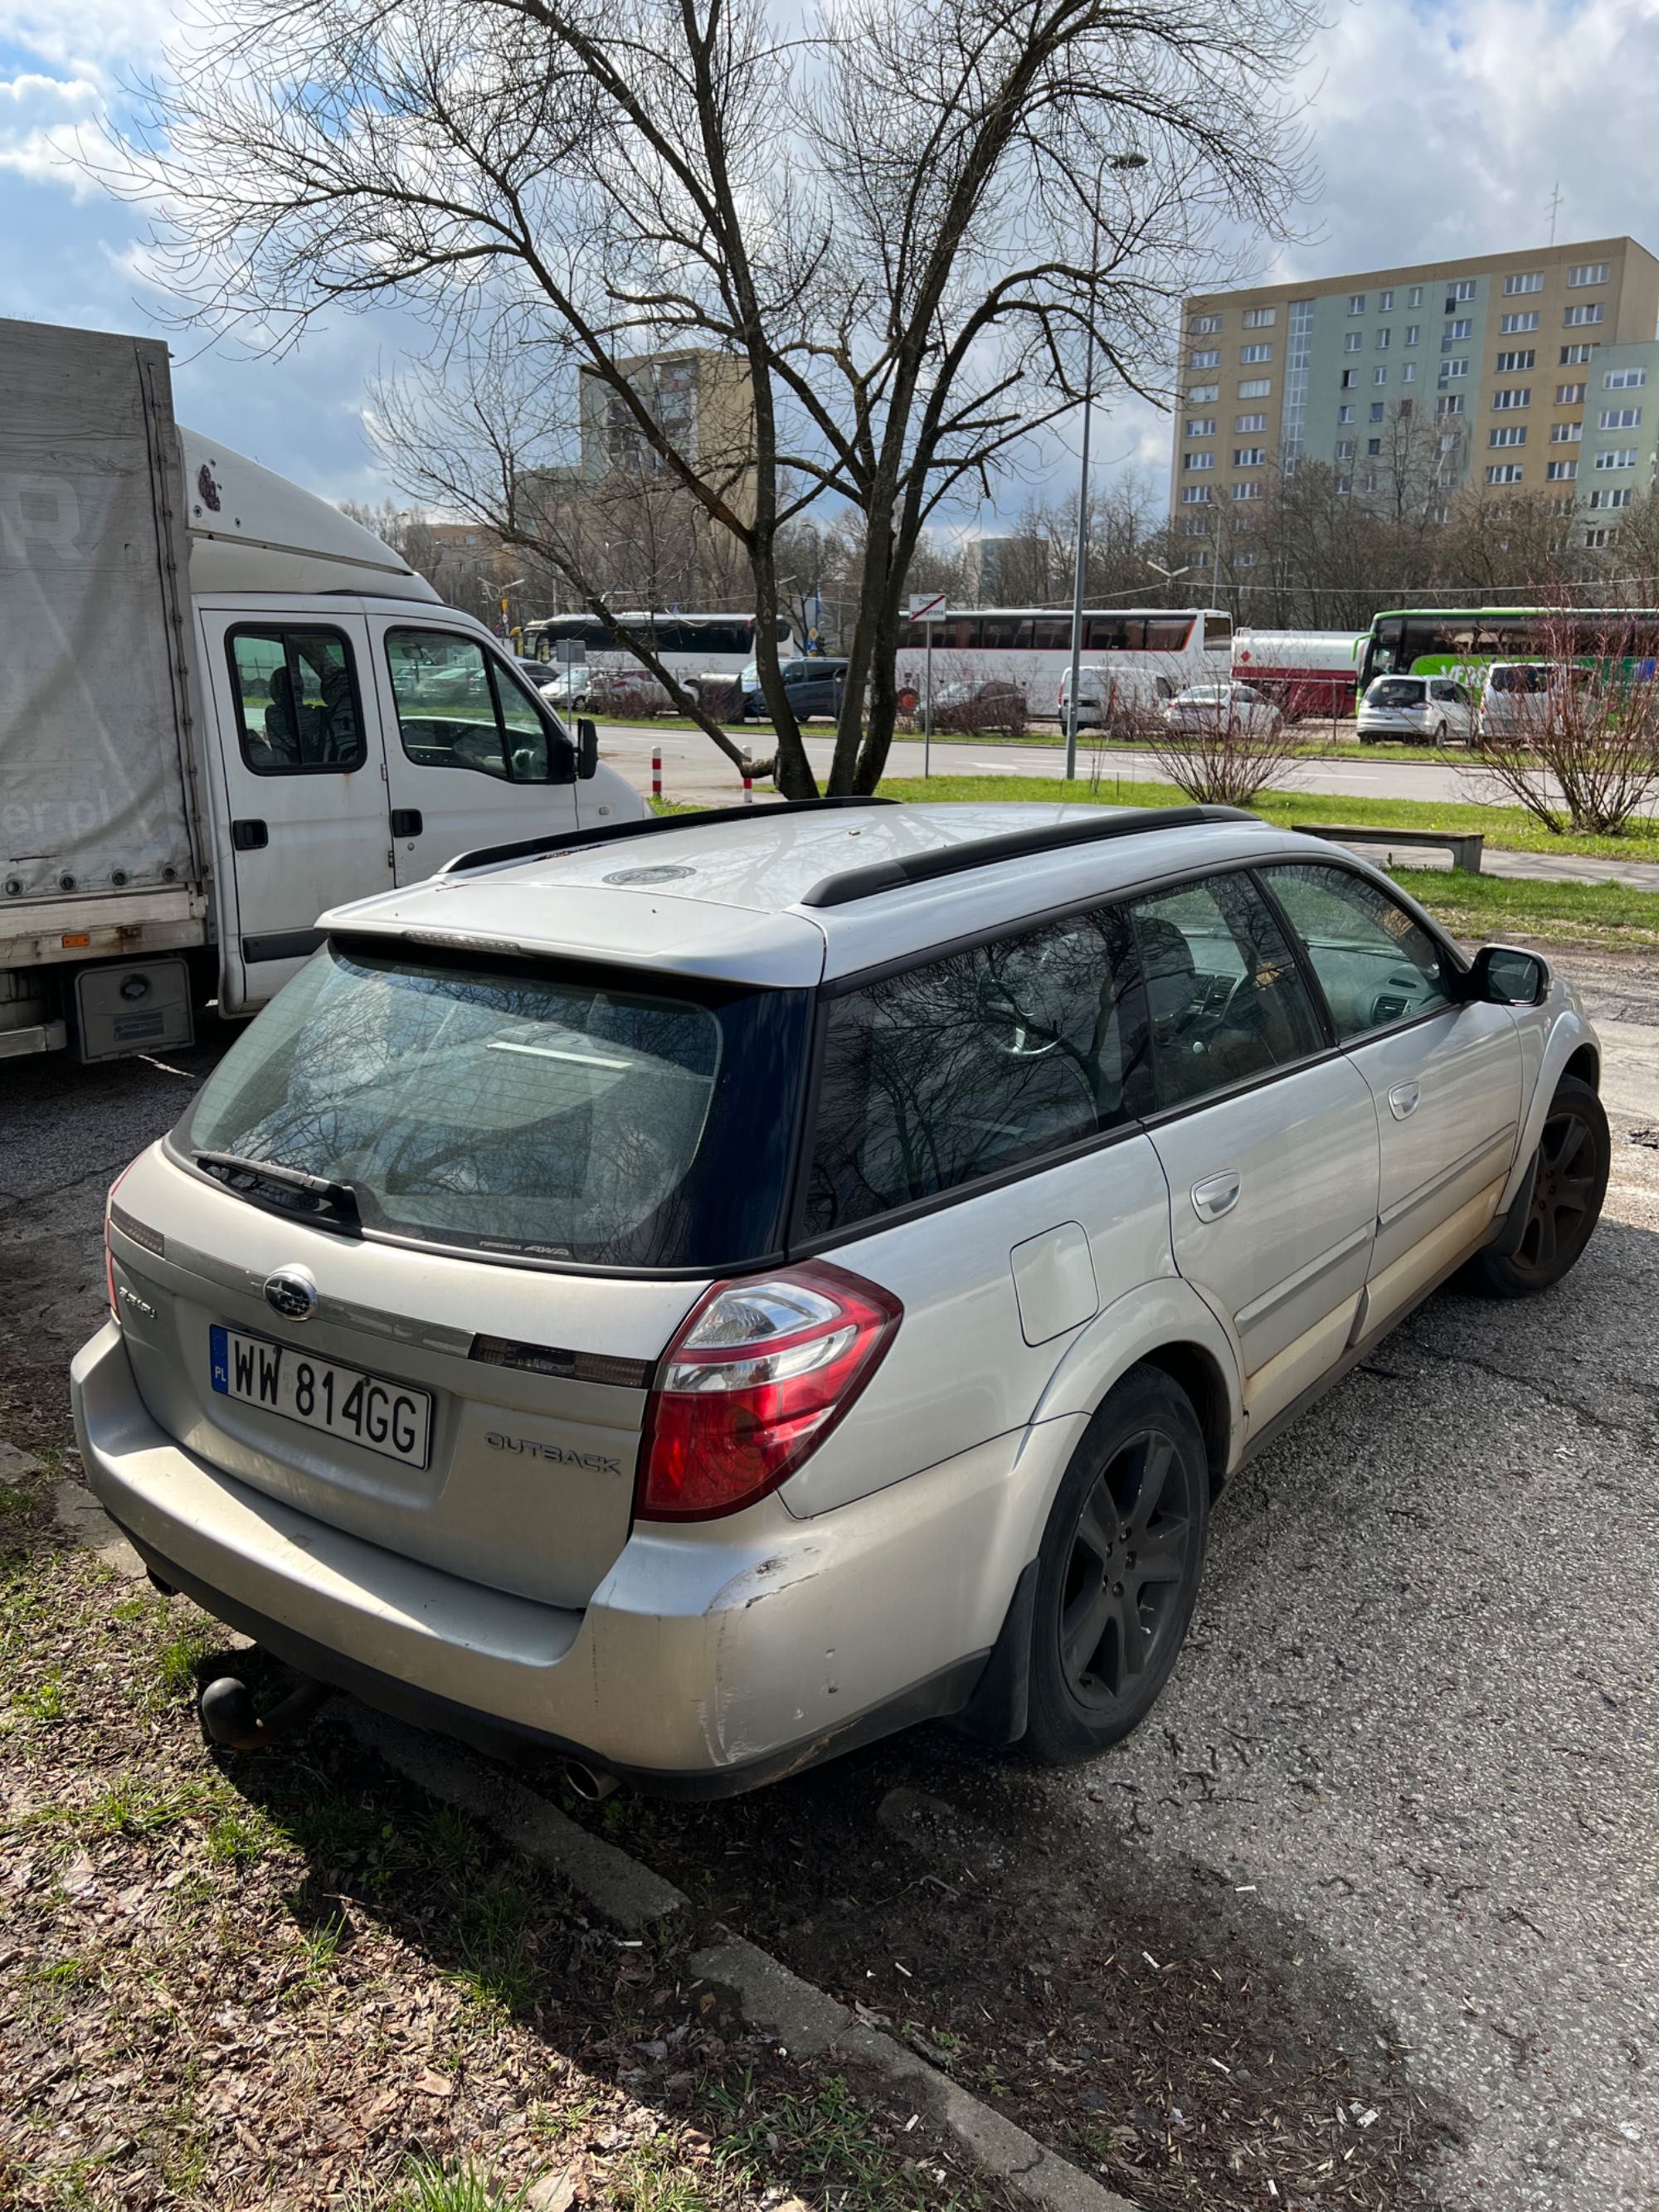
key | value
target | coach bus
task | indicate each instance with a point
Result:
(1030, 648)
(686, 644)
(1438, 640)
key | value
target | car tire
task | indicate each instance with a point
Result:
(1574, 1153)
(1137, 1493)
(1440, 733)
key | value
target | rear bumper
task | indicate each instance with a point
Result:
(710, 1659)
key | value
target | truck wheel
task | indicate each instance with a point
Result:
(1574, 1154)
(1119, 1569)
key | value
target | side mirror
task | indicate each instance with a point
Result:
(1503, 975)
(587, 749)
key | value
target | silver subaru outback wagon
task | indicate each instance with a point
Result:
(700, 1295)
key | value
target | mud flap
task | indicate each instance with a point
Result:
(996, 1711)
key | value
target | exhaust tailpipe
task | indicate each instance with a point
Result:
(230, 1717)
(590, 1783)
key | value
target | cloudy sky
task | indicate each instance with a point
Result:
(1439, 130)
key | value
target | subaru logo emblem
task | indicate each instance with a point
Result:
(292, 1293)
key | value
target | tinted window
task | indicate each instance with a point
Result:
(991, 1058)
(296, 702)
(458, 707)
(1395, 692)
(1375, 964)
(1227, 998)
(573, 1114)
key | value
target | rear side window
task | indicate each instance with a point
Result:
(977, 1063)
(1395, 692)
(573, 1115)
(296, 701)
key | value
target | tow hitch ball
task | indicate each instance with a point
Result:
(230, 1717)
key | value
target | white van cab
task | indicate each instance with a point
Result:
(1113, 698)
(1521, 698)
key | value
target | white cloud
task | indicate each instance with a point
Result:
(40, 118)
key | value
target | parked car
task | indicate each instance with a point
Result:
(813, 686)
(565, 688)
(1523, 699)
(1434, 710)
(970, 708)
(626, 691)
(1125, 700)
(698, 1297)
(1212, 709)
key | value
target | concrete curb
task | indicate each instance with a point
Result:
(807, 2023)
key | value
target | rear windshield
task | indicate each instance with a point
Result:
(1395, 692)
(564, 1114)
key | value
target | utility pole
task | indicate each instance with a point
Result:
(1555, 208)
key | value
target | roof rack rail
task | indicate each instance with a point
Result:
(530, 848)
(1011, 844)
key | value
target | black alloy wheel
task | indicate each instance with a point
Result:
(1574, 1153)
(1119, 1570)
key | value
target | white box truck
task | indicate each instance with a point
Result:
(223, 708)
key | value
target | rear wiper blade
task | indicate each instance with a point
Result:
(239, 1174)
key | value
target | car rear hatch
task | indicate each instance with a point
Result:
(478, 1205)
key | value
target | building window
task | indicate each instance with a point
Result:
(1198, 460)
(1350, 378)
(1345, 449)
(1202, 394)
(1591, 311)
(1376, 410)
(1509, 362)
(1247, 560)
(1617, 457)
(1456, 292)
(1414, 297)
(1356, 303)
(1382, 340)
(1504, 472)
(1565, 433)
(1450, 440)
(1624, 380)
(1587, 272)
(1568, 395)
(1408, 372)
(1621, 418)
(1379, 376)
(1575, 356)
(1384, 301)
(1532, 282)
(1209, 359)
(1201, 426)
(1251, 490)
(1205, 326)
(1508, 434)
(1456, 332)
(1259, 318)
(1413, 331)
(1449, 404)
(1608, 496)
(1195, 525)
(1344, 414)
(1451, 370)
(1255, 387)
(1509, 325)
(1249, 456)
(1595, 538)
(1353, 341)
(1345, 484)
(1374, 446)
(1249, 353)
(1513, 395)
(1244, 423)
(1561, 471)
(1195, 495)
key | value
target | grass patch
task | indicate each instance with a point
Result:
(824, 2137)
(1482, 907)
(1506, 829)
(177, 1660)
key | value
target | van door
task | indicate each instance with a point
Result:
(303, 784)
(473, 756)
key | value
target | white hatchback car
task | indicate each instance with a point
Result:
(1430, 710)
(702, 1295)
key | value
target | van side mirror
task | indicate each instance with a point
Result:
(1504, 975)
(587, 749)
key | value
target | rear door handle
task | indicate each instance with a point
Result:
(1404, 1100)
(406, 821)
(248, 835)
(1216, 1195)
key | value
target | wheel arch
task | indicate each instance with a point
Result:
(1586, 1065)
(1195, 1371)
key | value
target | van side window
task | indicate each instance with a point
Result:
(296, 701)
(1227, 998)
(457, 707)
(974, 1064)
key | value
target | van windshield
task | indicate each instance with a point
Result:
(560, 1112)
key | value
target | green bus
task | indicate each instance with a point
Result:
(1462, 640)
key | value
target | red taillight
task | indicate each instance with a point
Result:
(758, 1377)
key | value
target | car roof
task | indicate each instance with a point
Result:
(730, 899)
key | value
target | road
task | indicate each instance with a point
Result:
(1406, 1776)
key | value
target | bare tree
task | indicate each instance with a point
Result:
(903, 224)
(1224, 753)
(1579, 745)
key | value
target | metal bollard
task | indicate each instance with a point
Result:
(656, 771)
(749, 790)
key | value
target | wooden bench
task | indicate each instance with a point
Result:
(1465, 845)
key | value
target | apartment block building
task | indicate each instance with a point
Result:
(703, 400)
(1538, 369)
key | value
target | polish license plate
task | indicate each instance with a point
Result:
(392, 1418)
